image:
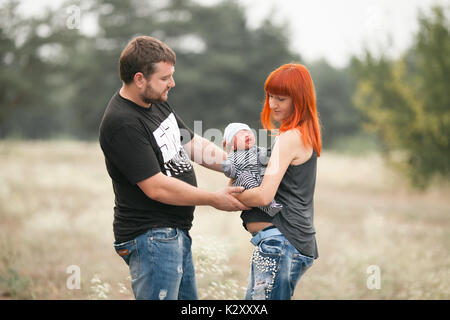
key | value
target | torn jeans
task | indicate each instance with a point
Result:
(276, 267)
(161, 265)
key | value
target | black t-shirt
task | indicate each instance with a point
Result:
(138, 143)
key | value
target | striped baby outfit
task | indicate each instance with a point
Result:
(246, 168)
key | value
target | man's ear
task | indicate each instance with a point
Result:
(139, 80)
(223, 144)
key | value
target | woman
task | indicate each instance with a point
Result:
(285, 244)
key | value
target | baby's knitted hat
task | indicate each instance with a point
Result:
(232, 129)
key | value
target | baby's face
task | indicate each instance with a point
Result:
(243, 140)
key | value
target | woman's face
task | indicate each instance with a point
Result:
(281, 107)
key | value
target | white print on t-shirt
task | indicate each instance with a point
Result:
(167, 137)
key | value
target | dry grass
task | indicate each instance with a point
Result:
(56, 210)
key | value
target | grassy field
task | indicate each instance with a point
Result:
(56, 205)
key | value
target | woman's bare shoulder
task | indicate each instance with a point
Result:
(292, 139)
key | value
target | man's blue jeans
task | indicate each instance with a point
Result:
(275, 270)
(161, 265)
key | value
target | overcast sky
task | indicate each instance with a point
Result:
(330, 29)
(337, 29)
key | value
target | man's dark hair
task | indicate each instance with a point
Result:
(140, 55)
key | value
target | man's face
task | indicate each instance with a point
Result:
(160, 82)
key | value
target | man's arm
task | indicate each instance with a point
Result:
(173, 191)
(205, 153)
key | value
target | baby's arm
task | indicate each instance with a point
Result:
(229, 169)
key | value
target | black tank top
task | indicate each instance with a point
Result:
(296, 219)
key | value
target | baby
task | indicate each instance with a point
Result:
(246, 163)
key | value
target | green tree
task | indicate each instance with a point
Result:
(406, 102)
(34, 52)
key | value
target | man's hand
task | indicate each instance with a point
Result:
(226, 201)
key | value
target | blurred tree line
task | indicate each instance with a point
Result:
(55, 80)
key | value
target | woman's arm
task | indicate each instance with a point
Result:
(284, 151)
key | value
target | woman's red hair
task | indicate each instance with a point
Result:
(294, 80)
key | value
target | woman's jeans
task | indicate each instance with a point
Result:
(276, 267)
(161, 265)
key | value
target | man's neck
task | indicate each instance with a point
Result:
(128, 93)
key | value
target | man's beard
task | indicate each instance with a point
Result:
(150, 96)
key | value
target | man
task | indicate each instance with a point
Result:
(147, 150)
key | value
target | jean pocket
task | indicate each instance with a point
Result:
(164, 234)
(306, 260)
(129, 253)
(301, 262)
(271, 246)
